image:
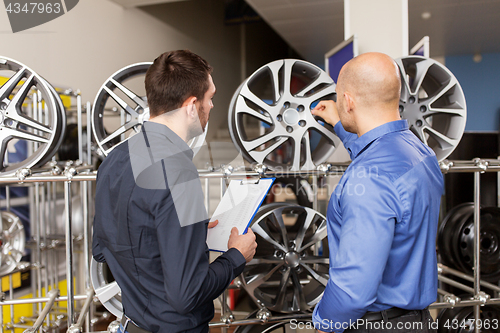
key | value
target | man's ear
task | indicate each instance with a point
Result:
(189, 105)
(349, 100)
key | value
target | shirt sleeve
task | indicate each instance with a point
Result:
(369, 213)
(346, 137)
(189, 280)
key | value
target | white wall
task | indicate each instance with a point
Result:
(82, 48)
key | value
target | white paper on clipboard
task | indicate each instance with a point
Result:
(236, 209)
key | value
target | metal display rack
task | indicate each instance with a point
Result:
(46, 242)
(80, 173)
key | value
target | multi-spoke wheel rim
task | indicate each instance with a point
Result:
(433, 103)
(281, 131)
(287, 274)
(41, 129)
(133, 105)
(108, 292)
(13, 240)
(61, 126)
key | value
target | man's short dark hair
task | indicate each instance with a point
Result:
(174, 77)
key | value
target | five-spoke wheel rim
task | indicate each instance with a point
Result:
(13, 240)
(39, 123)
(130, 106)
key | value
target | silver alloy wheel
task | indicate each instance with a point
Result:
(61, 126)
(108, 292)
(13, 240)
(134, 106)
(433, 103)
(287, 274)
(271, 113)
(42, 129)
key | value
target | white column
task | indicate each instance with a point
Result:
(380, 26)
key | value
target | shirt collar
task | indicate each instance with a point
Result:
(359, 145)
(170, 135)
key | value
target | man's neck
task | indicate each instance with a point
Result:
(174, 124)
(375, 120)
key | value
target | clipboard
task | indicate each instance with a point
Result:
(237, 209)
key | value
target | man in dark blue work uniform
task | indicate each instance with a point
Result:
(150, 222)
(383, 214)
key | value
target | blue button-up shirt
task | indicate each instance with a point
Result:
(382, 224)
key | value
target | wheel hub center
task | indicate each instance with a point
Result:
(488, 243)
(144, 116)
(291, 116)
(292, 259)
(414, 111)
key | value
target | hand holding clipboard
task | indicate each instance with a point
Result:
(246, 243)
(236, 209)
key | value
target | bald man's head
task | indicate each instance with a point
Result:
(373, 79)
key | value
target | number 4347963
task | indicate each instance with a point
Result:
(487, 324)
(33, 8)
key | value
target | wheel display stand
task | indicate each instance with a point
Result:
(34, 111)
(81, 174)
(287, 118)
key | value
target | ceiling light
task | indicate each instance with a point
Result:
(426, 15)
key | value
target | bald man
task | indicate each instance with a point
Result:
(383, 214)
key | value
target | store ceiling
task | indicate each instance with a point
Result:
(313, 27)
